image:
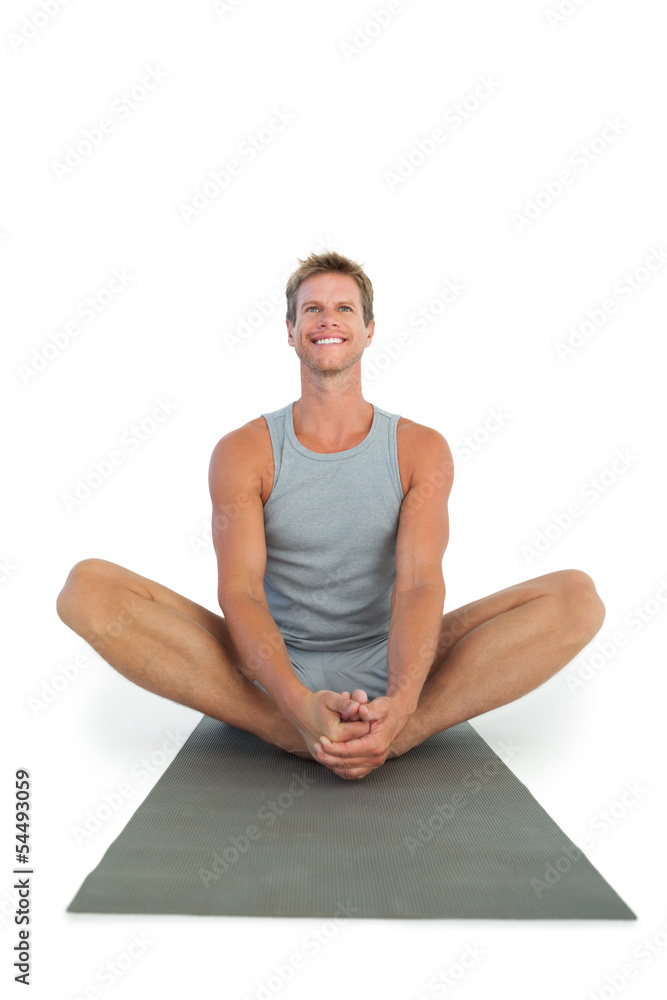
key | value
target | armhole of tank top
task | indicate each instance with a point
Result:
(277, 457)
(393, 456)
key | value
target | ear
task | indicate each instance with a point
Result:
(290, 328)
(370, 330)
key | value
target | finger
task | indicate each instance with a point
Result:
(346, 731)
(367, 762)
(357, 699)
(374, 709)
(352, 768)
(353, 751)
(349, 738)
(344, 705)
(357, 711)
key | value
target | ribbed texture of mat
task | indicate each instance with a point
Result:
(236, 826)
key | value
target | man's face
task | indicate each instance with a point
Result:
(329, 308)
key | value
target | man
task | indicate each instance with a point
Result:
(330, 526)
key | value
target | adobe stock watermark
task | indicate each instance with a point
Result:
(224, 515)
(88, 309)
(459, 625)
(388, 351)
(8, 907)
(203, 541)
(32, 24)
(140, 772)
(562, 12)
(252, 318)
(607, 818)
(472, 442)
(595, 658)
(94, 137)
(625, 288)
(445, 980)
(261, 309)
(224, 7)
(554, 870)
(131, 440)
(591, 491)
(247, 152)
(51, 690)
(643, 954)
(472, 783)
(312, 944)
(375, 24)
(454, 117)
(115, 968)
(132, 607)
(7, 569)
(598, 826)
(237, 846)
(581, 159)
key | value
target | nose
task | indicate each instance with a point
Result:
(328, 318)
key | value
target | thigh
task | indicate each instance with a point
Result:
(100, 573)
(460, 621)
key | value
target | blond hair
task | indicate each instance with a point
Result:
(325, 263)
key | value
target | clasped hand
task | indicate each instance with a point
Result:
(360, 732)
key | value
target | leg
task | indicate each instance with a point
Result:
(167, 644)
(494, 650)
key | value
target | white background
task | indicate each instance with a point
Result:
(323, 181)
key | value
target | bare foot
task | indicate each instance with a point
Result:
(287, 737)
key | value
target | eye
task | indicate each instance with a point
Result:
(345, 307)
(308, 308)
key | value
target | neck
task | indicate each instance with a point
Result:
(332, 418)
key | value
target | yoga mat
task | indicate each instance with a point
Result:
(236, 826)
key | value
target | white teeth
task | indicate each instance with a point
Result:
(330, 340)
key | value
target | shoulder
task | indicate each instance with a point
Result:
(423, 453)
(244, 440)
(246, 448)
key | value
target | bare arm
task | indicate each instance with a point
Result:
(419, 590)
(240, 547)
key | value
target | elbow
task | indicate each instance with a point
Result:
(416, 581)
(230, 597)
(226, 601)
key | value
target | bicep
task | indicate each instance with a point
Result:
(423, 529)
(237, 518)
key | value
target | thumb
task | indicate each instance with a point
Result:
(336, 702)
(371, 710)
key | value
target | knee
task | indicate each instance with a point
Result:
(581, 603)
(81, 586)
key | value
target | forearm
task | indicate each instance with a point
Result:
(262, 650)
(414, 630)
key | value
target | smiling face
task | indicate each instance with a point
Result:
(329, 308)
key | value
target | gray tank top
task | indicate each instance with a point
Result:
(331, 523)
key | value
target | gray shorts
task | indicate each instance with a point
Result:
(343, 669)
